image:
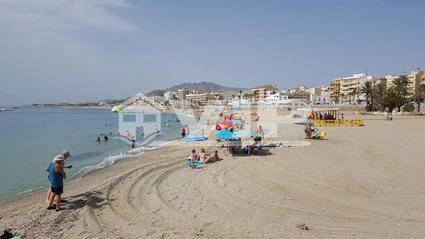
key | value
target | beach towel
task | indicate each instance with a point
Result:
(197, 163)
(266, 131)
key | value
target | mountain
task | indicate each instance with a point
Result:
(201, 87)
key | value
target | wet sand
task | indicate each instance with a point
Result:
(362, 182)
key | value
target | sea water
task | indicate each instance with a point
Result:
(30, 138)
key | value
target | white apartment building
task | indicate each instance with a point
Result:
(276, 98)
(315, 91)
(169, 95)
(323, 99)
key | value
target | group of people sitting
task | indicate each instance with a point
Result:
(202, 158)
(313, 133)
(234, 146)
(320, 116)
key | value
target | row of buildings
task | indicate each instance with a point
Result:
(346, 90)
(341, 91)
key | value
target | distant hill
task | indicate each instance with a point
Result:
(156, 93)
(198, 86)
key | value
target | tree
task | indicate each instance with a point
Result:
(419, 96)
(353, 93)
(367, 91)
(390, 99)
(341, 97)
(409, 107)
(255, 95)
(401, 89)
(378, 93)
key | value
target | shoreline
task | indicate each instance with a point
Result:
(36, 192)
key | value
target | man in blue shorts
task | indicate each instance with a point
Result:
(56, 176)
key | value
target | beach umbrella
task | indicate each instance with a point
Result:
(234, 121)
(195, 138)
(116, 109)
(218, 127)
(227, 124)
(226, 134)
(245, 133)
(305, 122)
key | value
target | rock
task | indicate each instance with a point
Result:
(303, 227)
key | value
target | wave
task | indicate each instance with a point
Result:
(110, 160)
(30, 190)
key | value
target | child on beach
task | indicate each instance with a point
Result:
(193, 157)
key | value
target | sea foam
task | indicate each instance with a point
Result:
(110, 160)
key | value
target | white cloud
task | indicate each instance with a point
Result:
(59, 14)
(43, 46)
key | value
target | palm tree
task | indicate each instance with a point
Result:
(401, 90)
(341, 97)
(367, 91)
(352, 93)
(419, 96)
(255, 96)
(390, 99)
(378, 93)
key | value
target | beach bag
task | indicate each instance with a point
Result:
(6, 235)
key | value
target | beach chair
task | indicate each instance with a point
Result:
(359, 122)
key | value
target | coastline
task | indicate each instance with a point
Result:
(341, 187)
(38, 192)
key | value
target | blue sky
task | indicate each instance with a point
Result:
(61, 50)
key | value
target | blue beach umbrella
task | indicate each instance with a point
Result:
(226, 134)
(194, 138)
(305, 122)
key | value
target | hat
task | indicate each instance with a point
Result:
(59, 157)
(66, 153)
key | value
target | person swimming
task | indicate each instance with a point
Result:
(98, 140)
(105, 138)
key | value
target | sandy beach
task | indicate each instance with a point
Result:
(361, 182)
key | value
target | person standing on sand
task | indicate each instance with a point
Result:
(66, 154)
(183, 132)
(187, 130)
(56, 176)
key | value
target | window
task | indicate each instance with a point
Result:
(129, 118)
(149, 118)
